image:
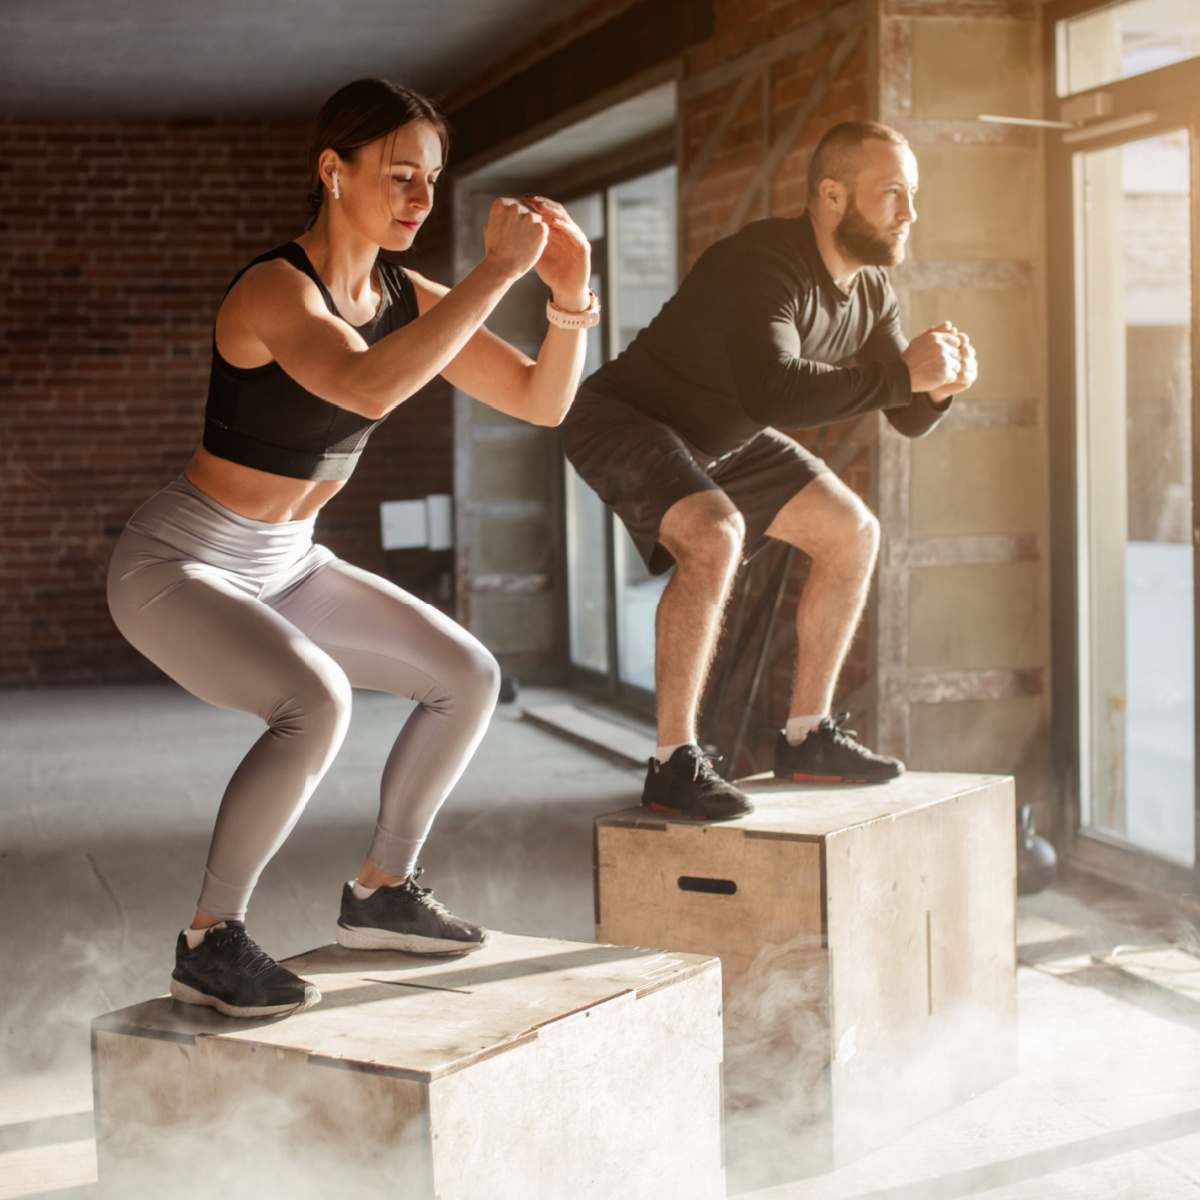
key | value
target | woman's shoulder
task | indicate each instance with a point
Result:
(282, 275)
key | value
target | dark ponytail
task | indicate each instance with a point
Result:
(362, 112)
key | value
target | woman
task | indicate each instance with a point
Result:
(216, 578)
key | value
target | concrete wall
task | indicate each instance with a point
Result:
(964, 655)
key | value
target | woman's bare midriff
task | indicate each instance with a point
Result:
(258, 495)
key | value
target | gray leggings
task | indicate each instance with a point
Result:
(251, 616)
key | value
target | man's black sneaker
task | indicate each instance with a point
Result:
(405, 917)
(687, 786)
(831, 755)
(229, 972)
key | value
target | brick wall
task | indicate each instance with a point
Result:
(742, 26)
(118, 240)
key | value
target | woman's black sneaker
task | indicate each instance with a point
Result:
(687, 786)
(831, 755)
(405, 917)
(228, 971)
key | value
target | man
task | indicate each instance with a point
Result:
(790, 323)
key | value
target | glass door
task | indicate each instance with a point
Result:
(611, 597)
(1133, 230)
(587, 519)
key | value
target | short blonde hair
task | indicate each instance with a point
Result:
(836, 154)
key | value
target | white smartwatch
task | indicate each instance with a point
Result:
(574, 320)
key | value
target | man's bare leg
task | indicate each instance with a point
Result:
(831, 525)
(704, 533)
(840, 534)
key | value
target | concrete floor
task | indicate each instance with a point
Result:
(106, 803)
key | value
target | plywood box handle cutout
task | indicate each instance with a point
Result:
(716, 887)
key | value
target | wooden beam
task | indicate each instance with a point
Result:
(801, 39)
(733, 106)
(817, 92)
(951, 687)
(963, 551)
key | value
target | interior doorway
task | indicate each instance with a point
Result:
(512, 567)
(611, 597)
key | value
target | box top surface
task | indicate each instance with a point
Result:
(815, 811)
(428, 1017)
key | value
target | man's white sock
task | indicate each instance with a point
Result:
(360, 892)
(798, 728)
(662, 753)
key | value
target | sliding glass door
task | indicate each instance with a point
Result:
(611, 597)
(1134, 403)
(1123, 225)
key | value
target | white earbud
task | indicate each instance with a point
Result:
(337, 195)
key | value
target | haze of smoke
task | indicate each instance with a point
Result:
(785, 1079)
(286, 1130)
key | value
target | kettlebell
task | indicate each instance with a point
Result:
(1037, 864)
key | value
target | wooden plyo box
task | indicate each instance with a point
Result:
(867, 943)
(535, 1068)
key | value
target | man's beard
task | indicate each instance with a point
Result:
(864, 242)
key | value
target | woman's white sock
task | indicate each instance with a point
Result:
(196, 936)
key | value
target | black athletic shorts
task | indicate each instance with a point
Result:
(640, 467)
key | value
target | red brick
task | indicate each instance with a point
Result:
(108, 247)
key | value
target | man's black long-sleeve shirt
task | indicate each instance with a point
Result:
(758, 335)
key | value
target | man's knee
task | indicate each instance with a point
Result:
(705, 534)
(850, 536)
(714, 548)
(830, 524)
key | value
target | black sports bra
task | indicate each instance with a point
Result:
(261, 417)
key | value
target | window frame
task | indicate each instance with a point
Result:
(1172, 95)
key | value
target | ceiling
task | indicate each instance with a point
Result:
(246, 57)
